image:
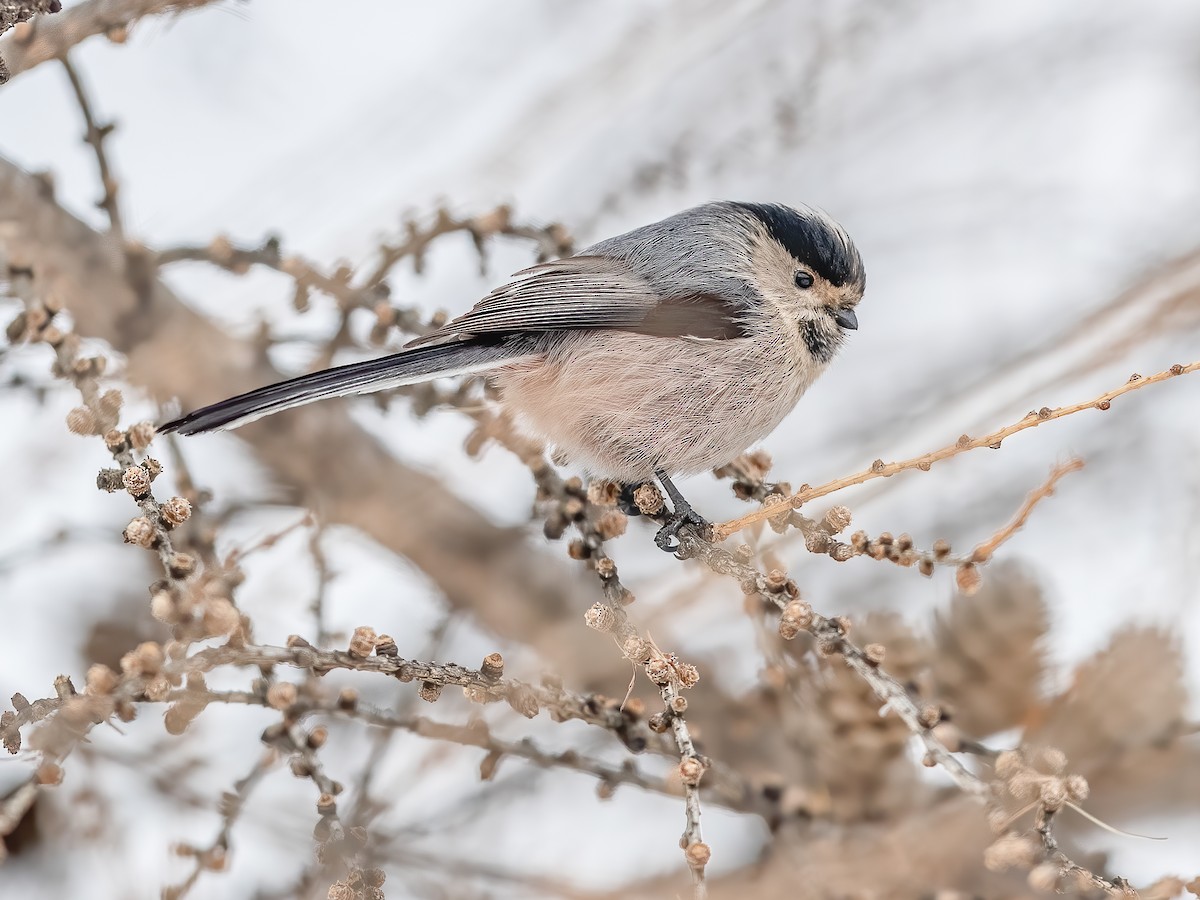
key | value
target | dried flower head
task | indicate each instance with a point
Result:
(362, 642)
(282, 695)
(81, 420)
(600, 616)
(691, 770)
(698, 854)
(968, 578)
(493, 667)
(176, 511)
(140, 435)
(220, 616)
(649, 500)
(612, 523)
(139, 531)
(137, 481)
(603, 493)
(429, 691)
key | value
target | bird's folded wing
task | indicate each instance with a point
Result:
(586, 292)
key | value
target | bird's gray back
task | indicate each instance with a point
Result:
(702, 250)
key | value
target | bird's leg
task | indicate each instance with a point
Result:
(682, 514)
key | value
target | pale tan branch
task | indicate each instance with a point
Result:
(880, 469)
(15, 13)
(45, 39)
(95, 135)
(984, 551)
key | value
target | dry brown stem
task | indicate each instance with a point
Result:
(213, 856)
(1069, 869)
(17, 12)
(984, 551)
(94, 135)
(880, 469)
(50, 38)
(830, 635)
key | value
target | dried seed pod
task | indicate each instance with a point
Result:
(282, 695)
(140, 435)
(837, 519)
(101, 680)
(137, 481)
(81, 420)
(687, 674)
(362, 642)
(698, 854)
(524, 701)
(636, 649)
(649, 500)
(968, 578)
(797, 616)
(429, 691)
(612, 523)
(603, 493)
(139, 531)
(493, 667)
(691, 770)
(176, 511)
(658, 670)
(600, 616)
(181, 565)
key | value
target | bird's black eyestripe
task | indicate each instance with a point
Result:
(812, 240)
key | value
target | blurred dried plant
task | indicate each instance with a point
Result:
(819, 749)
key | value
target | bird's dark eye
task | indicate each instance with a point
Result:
(803, 280)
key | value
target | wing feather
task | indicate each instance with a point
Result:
(583, 292)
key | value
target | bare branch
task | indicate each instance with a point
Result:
(16, 12)
(95, 135)
(984, 552)
(880, 469)
(831, 637)
(47, 39)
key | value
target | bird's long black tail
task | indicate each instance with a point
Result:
(406, 367)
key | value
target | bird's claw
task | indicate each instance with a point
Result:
(679, 520)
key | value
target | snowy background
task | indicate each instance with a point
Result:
(1007, 170)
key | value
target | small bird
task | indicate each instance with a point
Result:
(664, 351)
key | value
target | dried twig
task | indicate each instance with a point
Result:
(94, 135)
(47, 39)
(880, 469)
(831, 637)
(17, 12)
(479, 686)
(691, 770)
(214, 856)
(984, 551)
(1065, 867)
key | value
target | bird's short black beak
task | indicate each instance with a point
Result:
(846, 318)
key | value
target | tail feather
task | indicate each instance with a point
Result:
(406, 367)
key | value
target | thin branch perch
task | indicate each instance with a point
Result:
(880, 469)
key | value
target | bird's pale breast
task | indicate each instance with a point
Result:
(623, 405)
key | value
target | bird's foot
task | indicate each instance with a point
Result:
(682, 515)
(668, 536)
